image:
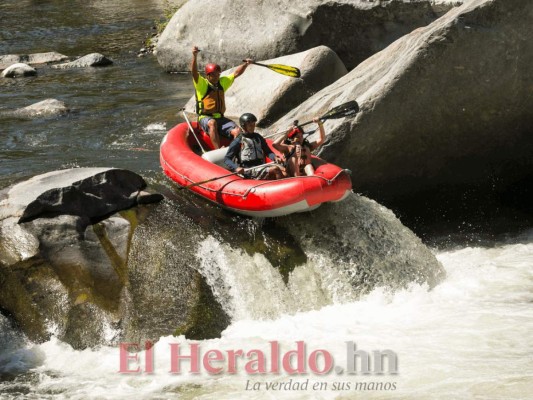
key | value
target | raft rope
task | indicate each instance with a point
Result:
(261, 183)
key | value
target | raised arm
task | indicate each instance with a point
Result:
(241, 68)
(194, 64)
(322, 138)
(278, 143)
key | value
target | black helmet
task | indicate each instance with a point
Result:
(247, 117)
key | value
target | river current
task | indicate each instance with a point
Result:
(467, 338)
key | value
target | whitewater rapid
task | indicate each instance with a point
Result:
(467, 338)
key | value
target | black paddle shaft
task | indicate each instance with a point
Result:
(344, 110)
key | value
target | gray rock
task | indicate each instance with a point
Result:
(64, 252)
(447, 106)
(18, 70)
(31, 59)
(90, 60)
(165, 293)
(367, 244)
(43, 109)
(268, 95)
(89, 192)
(271, 28)
(78, 268)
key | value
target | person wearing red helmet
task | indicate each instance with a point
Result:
(297, 150)
(210, 99)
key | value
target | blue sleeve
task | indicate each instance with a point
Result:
(233, 151)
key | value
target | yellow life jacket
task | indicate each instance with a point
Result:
(212, 102)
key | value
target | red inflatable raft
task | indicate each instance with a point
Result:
(271, 198)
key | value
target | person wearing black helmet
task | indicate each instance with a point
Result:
(210, 100)
(250, 149)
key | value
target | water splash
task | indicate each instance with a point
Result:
(249, 287)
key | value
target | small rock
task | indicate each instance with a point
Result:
(90, 60)
(19, 70)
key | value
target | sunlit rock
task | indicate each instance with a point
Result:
(18, 70)
(446, 115)
(90, 60)
(43, 109)
(273, 28)
(64, 252)
(366, 244)
(31, 59)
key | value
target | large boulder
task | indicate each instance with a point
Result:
(305, 261)
(446, 115)
(268, 95)
(64, 251)
(93, 193)
(271, 28)
(367, 244)
(165, 293)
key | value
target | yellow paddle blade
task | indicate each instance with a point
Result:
(282, 69)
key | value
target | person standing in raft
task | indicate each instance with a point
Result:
(210, 101)
(250, 149)
(297, 150)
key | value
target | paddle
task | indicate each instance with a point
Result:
(344, 110)
(192, 130)
(286, 70)
(220, 177)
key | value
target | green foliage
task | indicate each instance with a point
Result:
(169, 9)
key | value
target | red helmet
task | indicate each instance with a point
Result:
(295, 131)
(210, 68)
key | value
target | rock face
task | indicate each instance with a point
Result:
(90, 192)
(42, 109)
(268, 95)
(367, 244)
(18, 70)
(31, 59)
(272, 28)
(90, 60)
(165, 292)
(446, 114)
(64, 251)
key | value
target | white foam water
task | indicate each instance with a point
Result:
(468, 338)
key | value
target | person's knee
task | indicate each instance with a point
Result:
(275, 173)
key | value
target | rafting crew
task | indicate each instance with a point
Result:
(249, 150)
(210, 98)
(297, 149)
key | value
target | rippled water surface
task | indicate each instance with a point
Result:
(120, 113)
(468, 338)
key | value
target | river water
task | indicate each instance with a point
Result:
(468, 338)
